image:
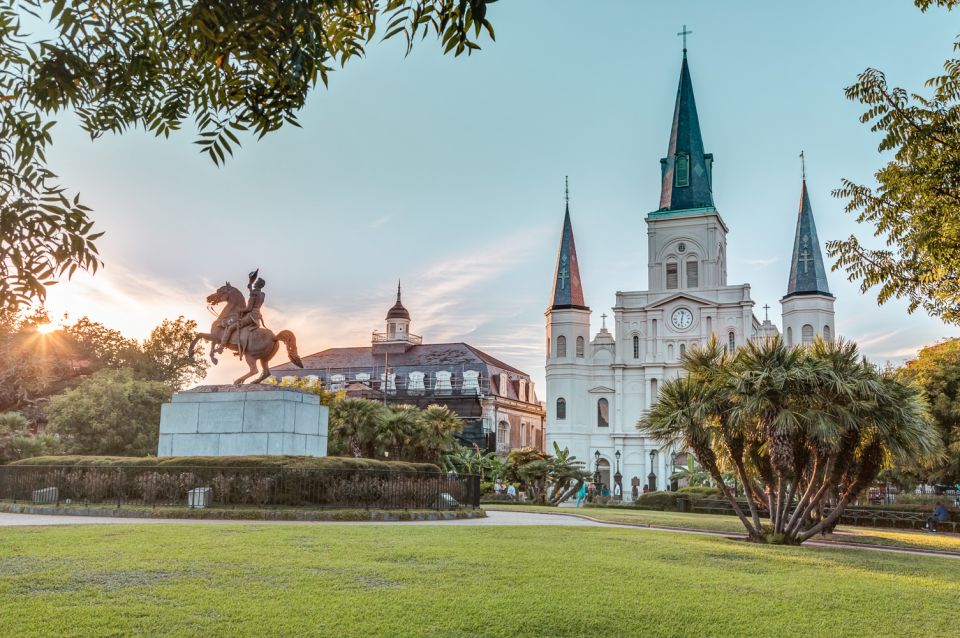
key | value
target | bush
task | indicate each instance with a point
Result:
(699, 490)
(926, 500)
(663, 501)
(287, 462)
(486, 487)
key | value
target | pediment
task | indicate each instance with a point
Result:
(601, 389)
(684, 296)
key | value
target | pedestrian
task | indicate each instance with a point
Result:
(512, 491)
(498, 486)
(581, 494)
(605, 491)
(940, 515)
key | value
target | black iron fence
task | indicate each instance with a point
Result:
(238, 487)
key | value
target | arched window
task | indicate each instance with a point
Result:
(732, 341)
(709, 326)
(561, 409)
(636, 347)
(503, 437)
(673, 279)
(603, 413)
(693, 273)
(806, 334)
(681, 173)
(579, 347)
(789, 336)
(653, 329)
(561, 347)
(669, 352)
(653, 392)
(683, 350)
(826, 333)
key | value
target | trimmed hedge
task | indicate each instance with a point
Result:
(274, 462)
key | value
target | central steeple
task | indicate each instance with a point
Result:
(686, 170)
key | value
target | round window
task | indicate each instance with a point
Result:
(682, 247)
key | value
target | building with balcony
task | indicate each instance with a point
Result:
(497, 402)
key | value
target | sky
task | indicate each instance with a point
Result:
(448, 174)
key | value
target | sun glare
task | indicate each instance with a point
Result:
(47, 328)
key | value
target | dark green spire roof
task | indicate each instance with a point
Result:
(567, 289)
(686, 168)
(807, 273)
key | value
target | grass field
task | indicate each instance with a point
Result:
(329, 580)
(720, 523)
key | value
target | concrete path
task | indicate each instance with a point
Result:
(493, 518)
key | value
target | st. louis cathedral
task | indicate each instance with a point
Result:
(598, 388)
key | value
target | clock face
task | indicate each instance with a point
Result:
(681, 319)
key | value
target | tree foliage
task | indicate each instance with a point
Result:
(915, 207)
(365, 428)
(111, 413)
(18, 442)
(232, 68)
(798, 426)
(549, 479)
(936, 371)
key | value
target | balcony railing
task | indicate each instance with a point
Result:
(386, 337)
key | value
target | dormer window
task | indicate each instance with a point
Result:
(681, 171)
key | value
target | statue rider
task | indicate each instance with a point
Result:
(249, 316)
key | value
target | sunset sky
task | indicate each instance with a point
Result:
(448, 174)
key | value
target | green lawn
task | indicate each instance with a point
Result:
(721, 523)
(331, 580)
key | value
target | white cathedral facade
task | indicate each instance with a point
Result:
(598, 388)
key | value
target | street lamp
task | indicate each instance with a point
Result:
(596, 469)
(618, 479)
(652, 477)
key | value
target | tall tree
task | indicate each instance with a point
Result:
(936, 370)
(113, 412)
(234, 68)
(795, 425)
(915, 207)
(353, 421)
(165, 355)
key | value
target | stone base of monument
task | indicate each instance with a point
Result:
(249, 420)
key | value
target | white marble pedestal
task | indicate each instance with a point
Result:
(250, 420)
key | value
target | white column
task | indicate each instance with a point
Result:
(662, 471)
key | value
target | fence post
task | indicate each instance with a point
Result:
(119, 483)
(475, 490)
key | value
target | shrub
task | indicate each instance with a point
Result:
(275, 462)
(700, 490)
(664, 501)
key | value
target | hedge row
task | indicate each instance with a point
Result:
(273, 462)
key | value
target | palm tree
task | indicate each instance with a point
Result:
(438, 425)
(793, 424)
(394, 430)
(354, 421)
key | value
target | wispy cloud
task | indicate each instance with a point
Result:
(761, 261)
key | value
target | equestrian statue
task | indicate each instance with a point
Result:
(240, 328)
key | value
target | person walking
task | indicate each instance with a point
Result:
(581, 494)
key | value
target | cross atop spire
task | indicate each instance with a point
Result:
(566, 190)
(685, 33)
(766, 312)
(803, 166)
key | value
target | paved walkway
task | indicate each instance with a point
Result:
(494, 517)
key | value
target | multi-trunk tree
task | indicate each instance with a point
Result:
(804, 429)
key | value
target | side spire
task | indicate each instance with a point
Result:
(567, 288)
(808, 276)
(687, 169)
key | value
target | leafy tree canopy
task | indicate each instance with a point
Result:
(915, 206)
(936, 370)
(232, 68)
(111, 413)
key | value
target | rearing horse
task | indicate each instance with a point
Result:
(255, 343)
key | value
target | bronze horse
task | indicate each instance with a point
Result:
(253, 343)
